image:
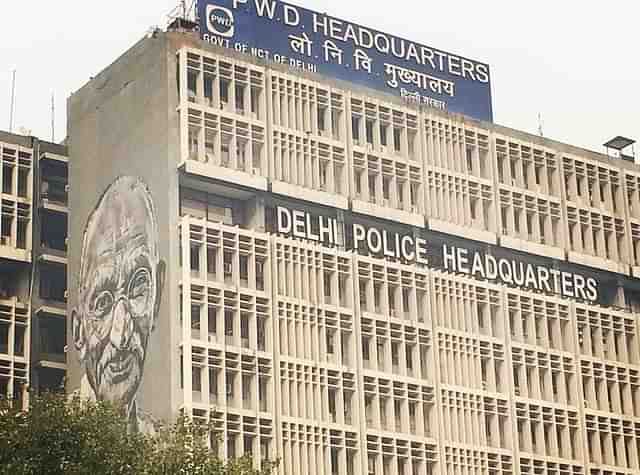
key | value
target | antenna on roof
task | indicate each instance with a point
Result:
(13, 101)
(185, 10)
(53, 118)
(540, 133)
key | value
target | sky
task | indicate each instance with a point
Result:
(575, 64)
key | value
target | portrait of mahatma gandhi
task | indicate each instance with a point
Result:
(119, 290)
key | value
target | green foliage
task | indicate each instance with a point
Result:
(70, 436)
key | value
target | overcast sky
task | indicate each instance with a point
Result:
(576, 63)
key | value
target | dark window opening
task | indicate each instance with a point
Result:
(397, 133)
(239, 98)
(208, 89)
(21, 235)
(355, 128)
(4, 338)
(23, 177)
(191, 86)
(18, 345)
(321, 121)
(383, 134)
(224, 91)
(7, 179)
(369, 131)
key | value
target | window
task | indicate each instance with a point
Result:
(239, 98)
(365, 349)
(195, 259)
(244, 331)
(196, 379)
(23, 175)
(255, 101)
(369, 131)
(7, 179)
(18, 347)
(212, 320)
(224, 90)
(4, 338)
(330, 343)
(228, 323)
(195, 317)
(409, 358)
(383, 134)
(397, 135)
(355, 128)
(208, 89)
(211, 260)
(321, 121)
(504, 219)
(244, 269)
(229, 385)
(21, 234)
(228, 265)
(259, 275)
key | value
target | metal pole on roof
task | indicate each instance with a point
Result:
(53, 118)
(13, 100)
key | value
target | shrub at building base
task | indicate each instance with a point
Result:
(62, 436)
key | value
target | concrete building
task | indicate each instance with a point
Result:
(33, 232)
(334, 272)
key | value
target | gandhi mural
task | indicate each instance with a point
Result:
(119, 291)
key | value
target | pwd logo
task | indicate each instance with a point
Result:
(220, 21)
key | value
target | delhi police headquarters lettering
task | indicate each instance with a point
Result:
(412, 249)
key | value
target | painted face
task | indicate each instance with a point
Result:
(118, 291)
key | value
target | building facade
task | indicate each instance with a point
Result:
(346, 281)
(33, 232)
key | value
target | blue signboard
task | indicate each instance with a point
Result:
(287, 34)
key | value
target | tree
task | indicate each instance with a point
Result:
(60, 436)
